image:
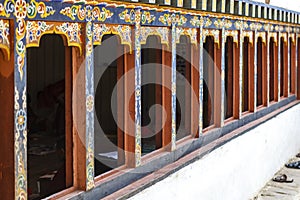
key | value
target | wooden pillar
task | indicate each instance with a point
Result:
(158, 96)
(120, 103)
(166, 98)
(217, 97)
(194, 90)
(241, 74)
(7, 170)
(89, 109)
(137, 89)
(265, 71)
(79, 128)
(173, 87)
(237, 96)
(293, 67)
(129, 108)
(68, 117)
(200, 56)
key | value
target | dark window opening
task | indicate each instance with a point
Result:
(291, 78)
(208, 82)
(245, 89)
(151, 95)
(229, 62)
(259, 72)
(282, 61)
(272, 69)
(108, 68)
(183, 87)
(49, 108)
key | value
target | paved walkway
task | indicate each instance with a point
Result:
(282, 191)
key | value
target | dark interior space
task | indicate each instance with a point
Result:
(272, 69)
(151, 95)
(245, 89)
(183, 88)
(229, 51)
(259, 72)
(208, 83)
(108, 68)
(48, 135)
(282, 61)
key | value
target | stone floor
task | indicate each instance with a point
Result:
(282, 191)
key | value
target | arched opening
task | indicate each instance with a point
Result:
(229, 74)
(208, 83)
(109, 108)
(183, 88)
(259, 89)
(246, 74)
(49, 86)
(151, 93)
(272, 70)
(282, 63)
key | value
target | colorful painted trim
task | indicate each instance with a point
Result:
(5, 38)
(123, 31)
(192, 33)
(162, 32)
(36, 29)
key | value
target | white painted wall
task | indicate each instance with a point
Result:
(288, 4)
(238, 169)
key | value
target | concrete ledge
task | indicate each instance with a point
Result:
(236, 170)
(129, 176)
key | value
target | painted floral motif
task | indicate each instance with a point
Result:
(90, 169)
(262, 35)
(72, 31)
(233, 34)
(128, 16)
(241, 25)
(73, 11)
(20, 9)
(90, 103)
(208, 22)
(7, 8)
(35, 29)
(223, 23)
(34, 8)
(147, 17)
(167, 19)
(162, 32)
(21, 120)
(4, 36)
(195, 21)
(20, 144)
(274, 36)
(248, 34)
(190, 32)
(256, 26)
(124, 31)
(101, 14)
(212, 32)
